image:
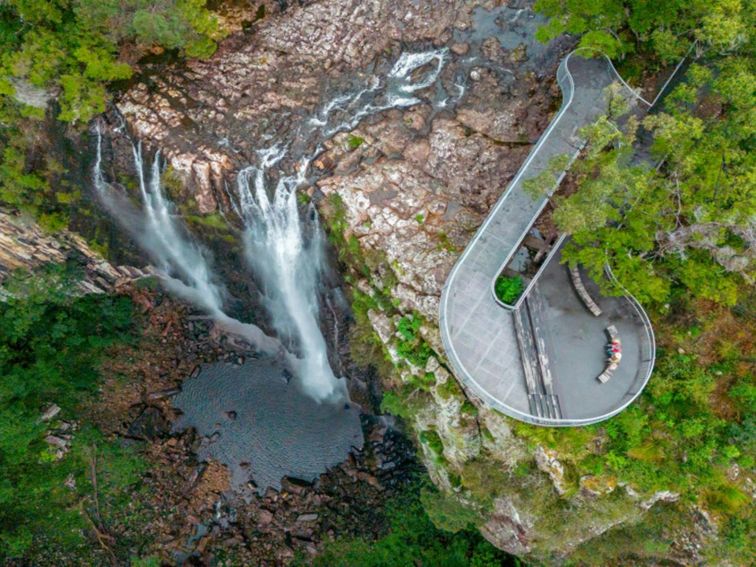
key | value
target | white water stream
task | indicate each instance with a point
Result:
(181, 263)
(284, 247)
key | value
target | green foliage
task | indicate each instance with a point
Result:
(433, 441)
(663, 29)
(413, 539)
(51, 342)
(214, 221)
(402, 403)
(509, 288)
(544, 183)
(73, 45)
(449, 389)
(354, 142)
(411, 345)
(684, 224)
(688, 219)
(447, 513)
(150, 561)
(690, 427)
(69, 50)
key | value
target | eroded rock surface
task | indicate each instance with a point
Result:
(24, 245)
(210, 117)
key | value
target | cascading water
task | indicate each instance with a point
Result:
(286, 252)
(181, 263)
(284, 248)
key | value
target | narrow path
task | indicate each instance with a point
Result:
(470, 317)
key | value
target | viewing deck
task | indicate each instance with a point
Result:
(540, 362)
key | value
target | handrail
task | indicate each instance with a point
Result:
(567, 85)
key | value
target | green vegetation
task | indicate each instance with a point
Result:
(72, 52)
(664, 29)
(72, 46)
(411, 345)
(691, 426)
(353, 142)
(509, 289)
(214, 221)
(677, 236)
(684, 226)
(51, 343)
(433, 441)
(413, 539)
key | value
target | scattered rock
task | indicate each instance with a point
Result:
(50, 413)
(596, 486)
(70, 482)
(460, 48)
(666, 496)
(162, 394)
(56, 441)
(149, 425)
(547, 461)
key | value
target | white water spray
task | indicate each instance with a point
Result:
(286, 252)
(285, 248)
(181, 263)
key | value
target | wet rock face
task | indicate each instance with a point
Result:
(420, 209)
(414, 189)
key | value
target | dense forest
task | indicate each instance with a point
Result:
(676, 229)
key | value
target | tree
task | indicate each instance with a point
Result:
(51, 342)
(663, 29)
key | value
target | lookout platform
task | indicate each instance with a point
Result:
(539, 361)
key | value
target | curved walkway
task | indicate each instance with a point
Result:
(480, 336)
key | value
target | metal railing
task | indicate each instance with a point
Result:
(647, 346)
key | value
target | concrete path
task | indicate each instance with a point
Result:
(479, 334)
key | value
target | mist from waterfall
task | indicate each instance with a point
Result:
(284, 245)
(285, 251)
(181, 263)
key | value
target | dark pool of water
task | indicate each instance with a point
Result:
(262, 426)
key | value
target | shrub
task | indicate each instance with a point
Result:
(412, 537)
(508, 289)
(354, 142)
(433, 441)
(51, 343)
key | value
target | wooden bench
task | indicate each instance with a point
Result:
(583, 294)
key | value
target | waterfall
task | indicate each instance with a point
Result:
(181, 263)
(283, 246)
(285, 251)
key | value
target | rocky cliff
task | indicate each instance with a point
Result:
(25, 246)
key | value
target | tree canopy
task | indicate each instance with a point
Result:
(666, 29)
(51, 343)
(72, 46)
